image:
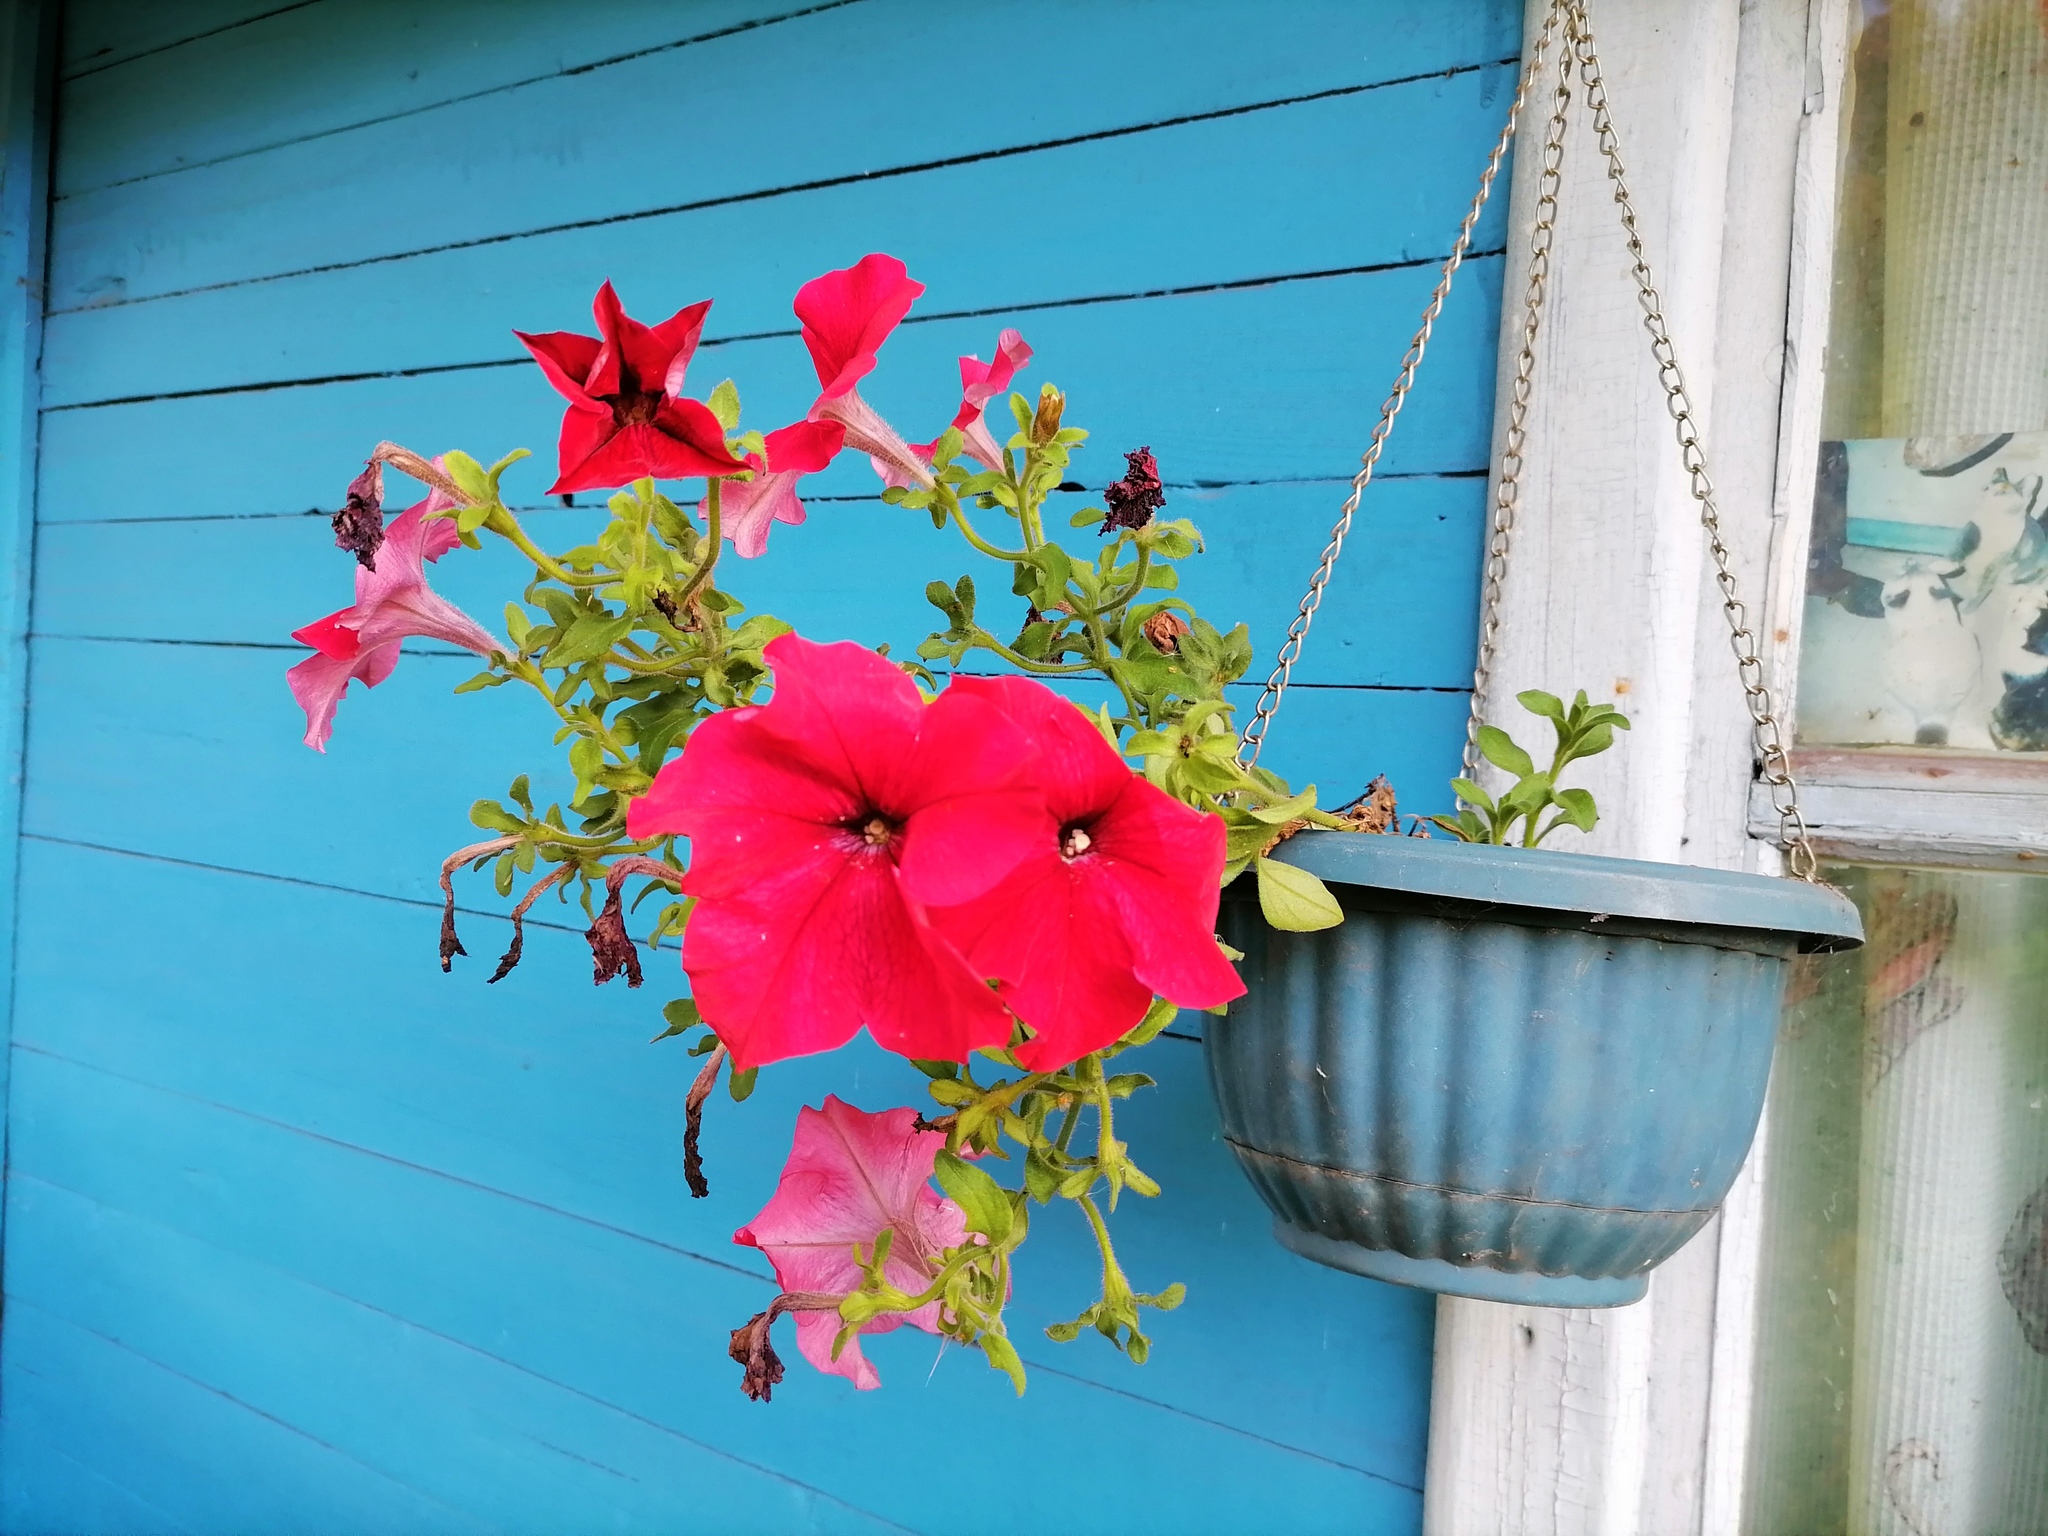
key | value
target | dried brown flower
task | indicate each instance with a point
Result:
(1164, 630)
(359, 525)
(1133, 499)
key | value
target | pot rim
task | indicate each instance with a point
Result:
(1544, 879)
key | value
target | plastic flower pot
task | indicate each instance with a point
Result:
(1513, 1074)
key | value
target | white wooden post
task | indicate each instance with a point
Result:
(1632, 1421)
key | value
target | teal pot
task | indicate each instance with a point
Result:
(1509, 1073)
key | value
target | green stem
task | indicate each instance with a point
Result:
(1112, 1272)
(714, 540)
(506, 526)
(1123, 599)
(959, 515)
(988, 641)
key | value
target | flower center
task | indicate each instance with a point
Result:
(634, 408)
(1074, 841)
(876, 831)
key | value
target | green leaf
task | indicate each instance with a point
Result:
(1471, 794)
(1499, 749)
(741, 1084)
(1002, 1356)
(1295, 900)
(681, 1015)
(469, 519)
(481, 680)
(1087, 517)
(468, 475)
(1578, 808)
(725, 404)
(1064, 1333)
(1537, 702)
(1287, 810)
(938, 1071)
(1157, 1017)
(493, 817)
(985, 1202)
(1166, 1300)
(588, 638)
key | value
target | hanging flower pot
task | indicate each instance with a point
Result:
(1509, 1073)
(1479, 1066)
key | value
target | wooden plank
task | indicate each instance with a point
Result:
(233, 89)
(1323, 349)
(169, 750)
(484, 1444)
(569, 1301)
(1152, 188)
(562, 150)
(210, 1463)
(102, 33)
(857, 569)
(44, 1487)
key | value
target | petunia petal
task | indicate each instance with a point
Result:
(848, 314)
(318, 683)
(565, 357)
(585, 431)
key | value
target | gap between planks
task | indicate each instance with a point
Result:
(1232, 285)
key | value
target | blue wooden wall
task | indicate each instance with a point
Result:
(301, 1234)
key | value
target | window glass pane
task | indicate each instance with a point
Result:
(1927, 594)
(1903, 1326)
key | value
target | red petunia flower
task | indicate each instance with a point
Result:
(849, 1175)
(979, 383)
(627, 414)
(393, 604)
(846, 316)
(747, 508)
(807, 819)
(1116, 903)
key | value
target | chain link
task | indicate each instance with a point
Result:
(1577, 55)
(1508, 491)
(1773, 763)
(1254, 736)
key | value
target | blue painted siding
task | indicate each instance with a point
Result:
(301, 1234)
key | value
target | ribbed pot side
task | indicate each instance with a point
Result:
(1496, 1108)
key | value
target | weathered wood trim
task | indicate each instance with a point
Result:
(28, 69)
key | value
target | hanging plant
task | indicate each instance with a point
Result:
(1514, 1073)
(973, 873)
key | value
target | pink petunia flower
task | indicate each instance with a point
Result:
(627, 414)
(807, 818)
(1116, 903)
(393, 603)
(748, 508)
(979, 383)
(851, 1174)
(846, 316)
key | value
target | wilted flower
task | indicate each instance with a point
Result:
(393, 603)
(1133, 499)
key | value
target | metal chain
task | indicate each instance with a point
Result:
(1297, 632)
(1774, 765)
(1507, 495)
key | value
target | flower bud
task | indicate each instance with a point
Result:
(1045, 424)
